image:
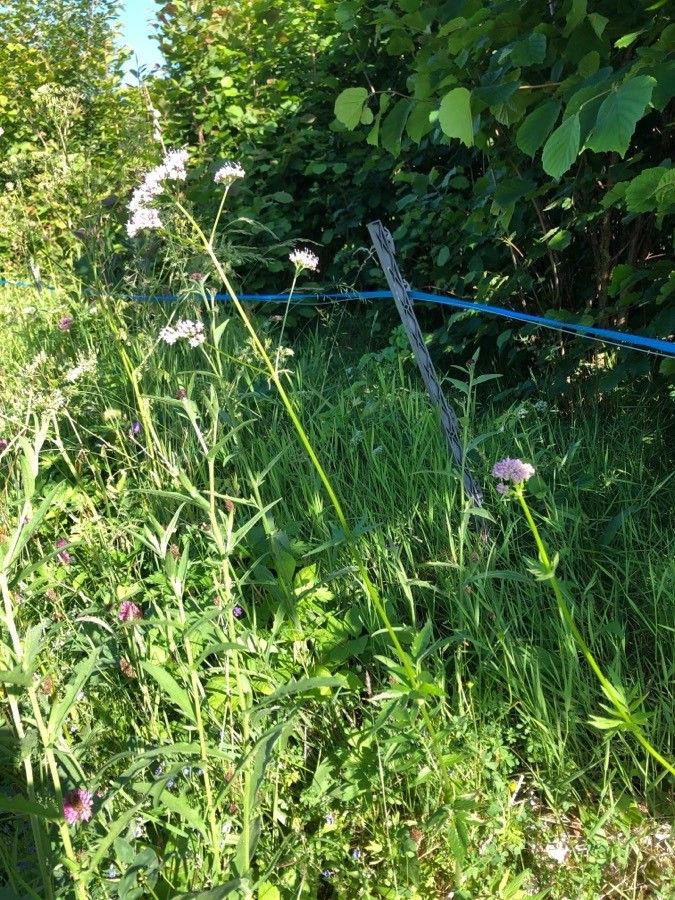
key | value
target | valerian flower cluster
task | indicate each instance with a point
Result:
(143, 214)
(511, 471)
(192, 332)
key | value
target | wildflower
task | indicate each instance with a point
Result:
(129, 612)
(77, 806)
(514, 470)
(237, 612)
(159, 770)
(143, 218)
(47, 686)
(186, 329)
(181, 394)
(171, 783)
(63, 555)
(3, 444)
(229, 505)
(557, 851)
(356, 853)
(187, 771)
(126, 668)
(113, 871)
(65, 323)
(135, 428)
(173, 166)
(329, 819)
(228, 174)
(304, 259)
(197, 276)
(541, 406)
(327, 873)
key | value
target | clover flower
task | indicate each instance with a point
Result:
(129, 612)
(77, 806)
(4, 444)
(304, 259)
(65, 323)
(63, 555)
(228, 174)
(513, 471)
(193, 332)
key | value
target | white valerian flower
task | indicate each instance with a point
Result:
(143, 215)
(228, 173)
(186, 329)
(304, 259)
(85, 366)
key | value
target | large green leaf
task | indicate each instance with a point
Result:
(562, 148)
(391, 129)
(640, 193)
(455, 115)
(418, 123)
(665, 193)
(349, 106)
(537, 127)
(530, 50)
(171, 688)
(619, 114)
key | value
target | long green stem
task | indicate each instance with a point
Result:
(610, 691)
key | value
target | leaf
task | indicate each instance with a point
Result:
(598, 23)
(530, 51)
(170, 687)
(665, 193)
(349, 106)
(575, 16)
(537, 126)
(60, 710)
(217, 893)
(419, 124)
(455, 115)
(187, 812)
(391, 130)
(619, 114)
(640, 193)
(562, 147)
(22, 806)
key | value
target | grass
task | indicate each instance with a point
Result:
(255, 728)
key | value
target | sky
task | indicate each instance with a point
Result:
(136, 31)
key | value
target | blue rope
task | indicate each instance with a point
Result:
(636, 341)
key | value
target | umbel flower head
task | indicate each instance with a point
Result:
(304, 259)
(228, 173)
(192, 332)
(511, 471)
(77, 806)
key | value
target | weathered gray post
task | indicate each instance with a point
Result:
(386, 251)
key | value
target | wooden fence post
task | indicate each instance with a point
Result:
(386, 251)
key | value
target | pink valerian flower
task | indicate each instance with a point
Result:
(185, 329)
(77, 806)
(143, 215)
(129, 612)
(228, 173)
(510, 470)
(65, 323)
(304, 259)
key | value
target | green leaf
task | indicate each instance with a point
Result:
(530, 51)
(667, 367)
(22, 806)
(391, 130)
(537, 127)
(455, 115)
(598, 23)
(665, 193)
(562, 148)
(217, 893)
(575, 16)
(640, 193)
(349, 106)
(171, 688)
(619, 114)
(419, 124)
(60, 710)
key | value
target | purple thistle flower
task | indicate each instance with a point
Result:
(77, 806)
(65, 323)
(129, 612)
(237, 612)
(514, 470)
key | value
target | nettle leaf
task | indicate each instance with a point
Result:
(562, 148)
(619, 114)
(455, 115)
(391, 131)
(349, 106)
(640, 193)
(537, 126)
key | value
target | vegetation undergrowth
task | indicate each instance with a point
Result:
(194, 649)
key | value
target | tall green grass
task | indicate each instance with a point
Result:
(318, 775)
